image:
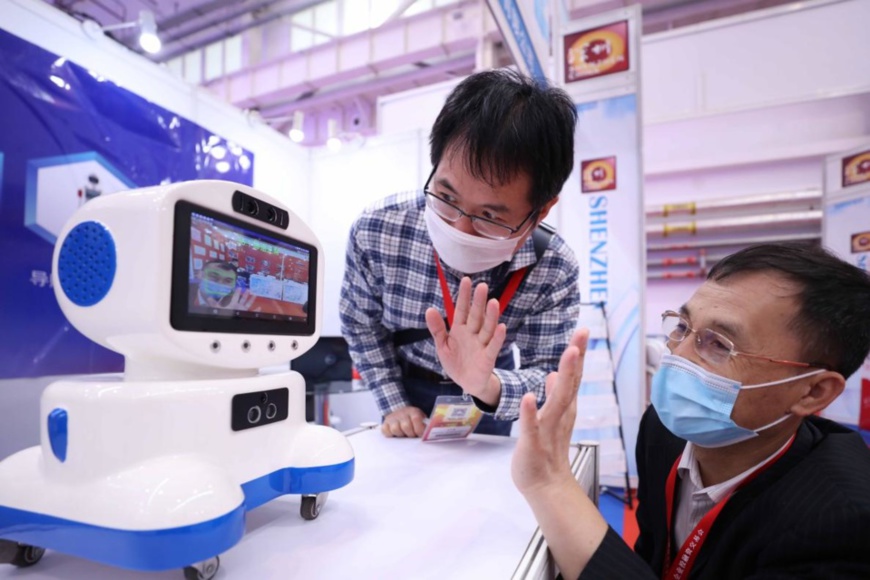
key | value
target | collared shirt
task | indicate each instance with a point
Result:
(390, 280)
(695, 500)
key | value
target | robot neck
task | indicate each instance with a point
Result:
(152, 369)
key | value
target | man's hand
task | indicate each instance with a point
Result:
(469, 350)
(240, 300)
(406, 422)
(540, 460)
(570, 522)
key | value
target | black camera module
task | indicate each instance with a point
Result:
(259, 408)
(260, 210)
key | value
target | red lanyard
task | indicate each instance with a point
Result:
(682, 565)
(503, 300)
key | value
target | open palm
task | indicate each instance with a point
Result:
(468, 351)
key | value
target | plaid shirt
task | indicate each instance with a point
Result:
(391, 279)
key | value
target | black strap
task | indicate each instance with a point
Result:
(540, 240)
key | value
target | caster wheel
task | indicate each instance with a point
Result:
(311, 505)
(204, 570)
(21, 555)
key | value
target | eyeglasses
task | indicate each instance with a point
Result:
(711, 346)
(483, 226)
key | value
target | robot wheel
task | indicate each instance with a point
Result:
(21, 555)
(312, 504)
(204, 570)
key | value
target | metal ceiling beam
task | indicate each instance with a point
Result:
(324, 96)
(182, 18)
(297, 6)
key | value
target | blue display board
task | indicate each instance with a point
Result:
(69, 135)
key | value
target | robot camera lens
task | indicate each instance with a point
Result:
(272, 215)
(271, 410)
(264, 398)
(254, 415)
(252, 207)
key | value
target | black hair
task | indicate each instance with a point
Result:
(833, 321)
(221, 264)
(505, 123)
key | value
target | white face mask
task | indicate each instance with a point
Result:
(464, 252)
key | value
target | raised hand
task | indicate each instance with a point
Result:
(570, 522)
(541, 456)
(468, 351)
(241, 300)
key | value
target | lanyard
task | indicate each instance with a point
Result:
(503, 300)
(682, 565)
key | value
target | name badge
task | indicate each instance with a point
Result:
(452, 418)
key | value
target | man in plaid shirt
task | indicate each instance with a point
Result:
(501, 149)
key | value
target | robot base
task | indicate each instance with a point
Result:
(158, 475)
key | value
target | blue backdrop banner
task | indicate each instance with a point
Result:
(69, 135)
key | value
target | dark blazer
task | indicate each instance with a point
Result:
(807, 516)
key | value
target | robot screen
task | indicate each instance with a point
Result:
(232, 276)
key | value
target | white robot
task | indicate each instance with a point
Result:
(155, 469)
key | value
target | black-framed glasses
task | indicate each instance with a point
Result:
(483, 226)
(712, 346)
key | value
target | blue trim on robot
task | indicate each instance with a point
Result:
(297, 480)
(145, 550)
(57, 433)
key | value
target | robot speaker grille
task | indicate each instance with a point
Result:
(86, 264)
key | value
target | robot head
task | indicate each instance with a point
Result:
(191, 279)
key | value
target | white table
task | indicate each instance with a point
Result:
(414, 510)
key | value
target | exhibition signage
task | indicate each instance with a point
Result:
(855, 169)
(69, 136)
(846, 232)
(525, 27)
(596, 52)
(601, 217)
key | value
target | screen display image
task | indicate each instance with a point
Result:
(237, 273)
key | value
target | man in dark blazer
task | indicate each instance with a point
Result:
(738, 476)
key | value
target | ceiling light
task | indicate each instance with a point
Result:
(148, 39)
(333, 143)
(297, 133)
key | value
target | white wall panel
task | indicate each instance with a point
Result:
(416, 109)
(342, 185)
(750, 61)
(797, 130)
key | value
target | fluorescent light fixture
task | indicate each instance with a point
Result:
(297, 133)
(333, 143)
(148, 39)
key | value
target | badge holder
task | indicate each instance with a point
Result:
(453, 417)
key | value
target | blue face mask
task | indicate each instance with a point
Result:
(214, 290)
(696, 405)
